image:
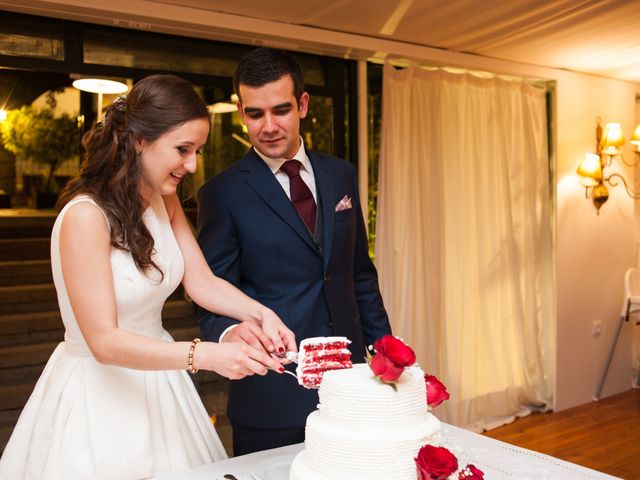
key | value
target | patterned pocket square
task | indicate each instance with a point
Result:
(344, 204)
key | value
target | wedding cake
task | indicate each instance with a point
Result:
(366, 429)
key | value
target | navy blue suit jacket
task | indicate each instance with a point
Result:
(252, 236)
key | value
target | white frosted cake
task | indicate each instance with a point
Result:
(364, 429)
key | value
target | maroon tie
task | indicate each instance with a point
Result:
(301, 196)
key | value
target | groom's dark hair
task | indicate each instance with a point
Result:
(265, 65)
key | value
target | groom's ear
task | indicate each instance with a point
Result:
(303, 104)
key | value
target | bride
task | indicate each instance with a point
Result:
(115, 399)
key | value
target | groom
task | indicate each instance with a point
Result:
(284, 224)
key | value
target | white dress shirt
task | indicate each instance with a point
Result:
(306, 171)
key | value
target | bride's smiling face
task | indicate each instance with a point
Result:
(169, 158)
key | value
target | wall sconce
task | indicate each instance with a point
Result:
(592, 168)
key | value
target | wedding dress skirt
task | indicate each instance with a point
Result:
(89, 420)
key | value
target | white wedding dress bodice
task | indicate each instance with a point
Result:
(89, 420)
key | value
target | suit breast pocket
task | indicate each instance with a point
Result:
(344, 215)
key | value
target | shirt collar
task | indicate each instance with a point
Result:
(274, 164)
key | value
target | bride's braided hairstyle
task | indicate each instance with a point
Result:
(111, 170)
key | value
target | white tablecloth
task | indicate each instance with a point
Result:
(498, 460)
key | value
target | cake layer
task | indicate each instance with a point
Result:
(343, 454)
(319, 354)
(300, 469)
(353, 399)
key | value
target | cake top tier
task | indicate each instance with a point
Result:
(354, 397)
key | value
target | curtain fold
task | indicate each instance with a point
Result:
(464, 240)
(635, 336)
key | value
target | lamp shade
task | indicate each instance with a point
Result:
(590, 170)
(635, 137)
(223, 107)
(100, 85)
(612, 138)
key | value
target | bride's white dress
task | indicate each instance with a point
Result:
(88, 420)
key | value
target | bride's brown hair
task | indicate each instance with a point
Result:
(111, 170)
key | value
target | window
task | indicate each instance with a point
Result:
(22, 36)
(40, 56)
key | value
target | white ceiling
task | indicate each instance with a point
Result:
(600, 37)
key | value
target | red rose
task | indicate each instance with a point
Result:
(435, 463)
(471, 472)
(392, 356)
(436, 391)
(400, 354)
(385, 369)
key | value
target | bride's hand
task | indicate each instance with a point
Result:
(282, 338)
(234, 360)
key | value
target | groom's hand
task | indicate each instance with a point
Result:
(251, 334)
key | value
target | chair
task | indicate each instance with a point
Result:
(630, 306)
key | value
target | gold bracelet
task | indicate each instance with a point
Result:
(192, 349)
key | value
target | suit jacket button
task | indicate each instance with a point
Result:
(326, 278)
(330, 323)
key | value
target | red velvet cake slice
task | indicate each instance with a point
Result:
(319, 354)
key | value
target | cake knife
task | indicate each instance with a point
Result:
(291, 356)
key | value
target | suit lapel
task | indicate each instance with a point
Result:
(264, 183)
(326, 193)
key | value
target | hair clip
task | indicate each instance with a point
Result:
(120, 103)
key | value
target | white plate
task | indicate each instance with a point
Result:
(276, 468)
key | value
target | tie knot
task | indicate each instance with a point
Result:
(291, 168)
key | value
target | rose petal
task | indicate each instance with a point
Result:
(471, 472)
(392, 373)
(378, 364)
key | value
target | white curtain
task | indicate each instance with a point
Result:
(635, 335)
(635, 338)
(464, 239)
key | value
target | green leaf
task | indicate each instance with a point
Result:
(40, 136)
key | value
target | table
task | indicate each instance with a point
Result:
(498, 460)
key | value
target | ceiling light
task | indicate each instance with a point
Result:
(100, 85)
(223, 107)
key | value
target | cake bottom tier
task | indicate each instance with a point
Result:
(333, 453)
